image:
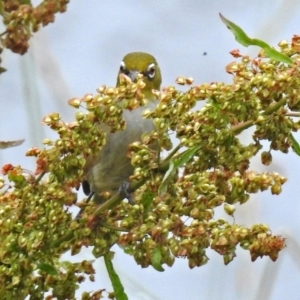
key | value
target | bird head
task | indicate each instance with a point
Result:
(142, 63)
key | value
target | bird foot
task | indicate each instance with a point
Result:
(78, 216)
(124, 192)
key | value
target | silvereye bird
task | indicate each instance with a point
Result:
(112, 166)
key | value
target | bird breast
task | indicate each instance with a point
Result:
(113, 166)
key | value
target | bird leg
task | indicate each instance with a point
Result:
(124, 192)
(78, 216)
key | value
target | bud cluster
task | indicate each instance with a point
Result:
(175, 196)
(262, 95)
(23, 19)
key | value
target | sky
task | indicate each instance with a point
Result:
(83, 49)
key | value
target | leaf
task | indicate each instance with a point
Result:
(274, 54)
(1, 8)
(9, 144)
(156, 260)
(2, 70)
(185, 156)
(175, 164)
(246, 41)
(164, 184)
(238, 32)
(295, 145)
(115, 280)
(147, 200)
(47, 269)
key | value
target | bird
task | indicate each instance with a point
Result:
(111, 169)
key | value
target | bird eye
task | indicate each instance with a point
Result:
(151, 71)
(122, 67)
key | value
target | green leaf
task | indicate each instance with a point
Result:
(295, 145)
(246, 41)
(47, 269)
(1, 8)
(2, 70)
(185, 157)
(115, 280)
(175, 164)
(274, 54)
(156, 260)
(164, 184)
(238, 32)
(147, 200)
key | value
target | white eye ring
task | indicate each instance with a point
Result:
(151, 71)
(122, 66)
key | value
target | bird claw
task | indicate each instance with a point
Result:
(78, 216)
(124, 192)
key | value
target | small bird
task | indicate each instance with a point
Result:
(112, 166)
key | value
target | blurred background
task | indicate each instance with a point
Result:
(83, 49)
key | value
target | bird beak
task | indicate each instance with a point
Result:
(132, 75)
